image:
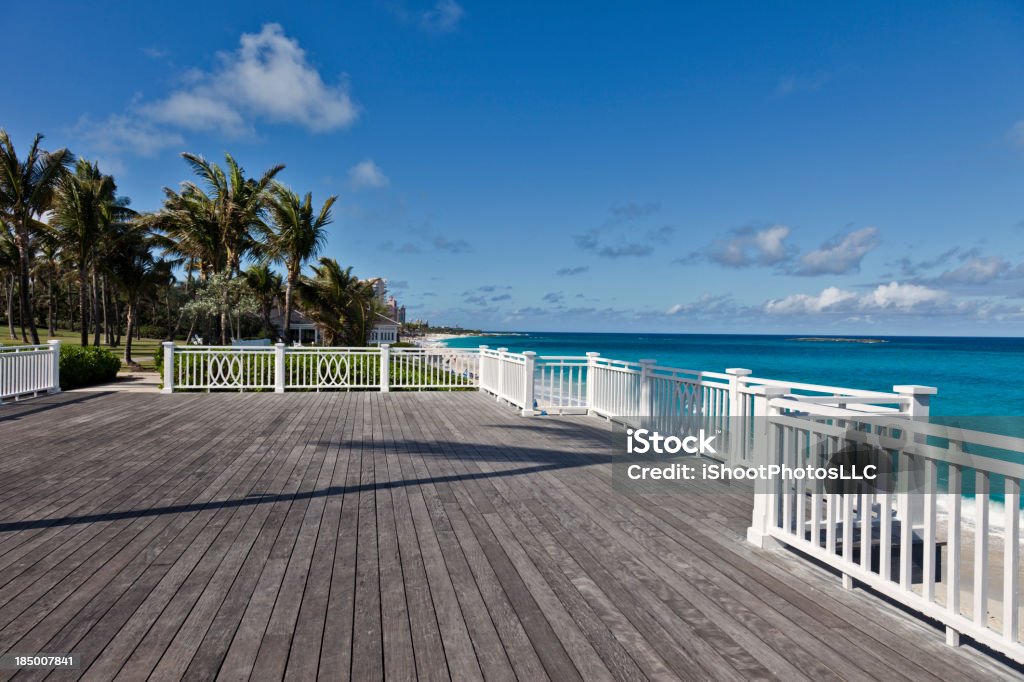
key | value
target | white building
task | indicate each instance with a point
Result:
(385, 330)
(303, 330)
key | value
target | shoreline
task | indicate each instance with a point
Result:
(437, 340)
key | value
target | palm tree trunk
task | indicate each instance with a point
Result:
(71, 309)
(51, 322)
(27, 313)
(96, 321)
(107, 334)
(128, 334)
(288, 290)
(83, 304)
(10, 310)
(116, 320)
(266, 318)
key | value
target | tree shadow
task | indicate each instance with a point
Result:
(11, 411)
(536, 460)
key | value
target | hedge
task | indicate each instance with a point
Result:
(86, 366)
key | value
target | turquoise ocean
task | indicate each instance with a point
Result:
(975, 376)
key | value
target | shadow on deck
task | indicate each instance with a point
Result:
(431, 535)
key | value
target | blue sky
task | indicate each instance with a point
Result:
(750, 167)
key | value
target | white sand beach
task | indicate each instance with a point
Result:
(434, 340)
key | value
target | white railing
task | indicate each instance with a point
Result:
(27, 371)
(912, 542)
(614, 387)
(280, 368)
(560, 384)
(331, 368)
(433, 368)
(504, 375)
(219, 367)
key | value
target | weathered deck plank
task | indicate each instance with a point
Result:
(429, 535)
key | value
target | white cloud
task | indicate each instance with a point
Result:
(748, 246)
(892, 297)
(367, 175)
(121, 133)
(197, 110)
(977, 270)
(268, 77)
(839, 256)
(443, 17)
(828, 300)
(904, 297)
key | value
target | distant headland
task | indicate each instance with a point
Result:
(837, 339)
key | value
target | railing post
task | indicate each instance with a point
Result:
(279, 366)
(501, 374)
(765, 500)
(480, 368)
(528, 370)
(385, 367)
(645, 387)
(916, 406)
(918, 399)
(736, 441)
(168, 367)
(591, 374)
(55, 347)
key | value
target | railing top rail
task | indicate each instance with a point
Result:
(608, 363)
(919, 426)
(438, 350)
(208, 350)
(748, 383)
(990, 464)
(661, 370)
(820, 409)
(335, 349)
(24, 349)
(580, 359)
(865, 398)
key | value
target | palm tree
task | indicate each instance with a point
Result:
(236, 204)
(49, 269)
(341, 305)
(266, 284)
(298, 235)
(188, 229)
(26, 189)
(9, 269)
(133, 268)
(85, 210)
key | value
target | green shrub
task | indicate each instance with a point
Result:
(153, 331)
(86, 366)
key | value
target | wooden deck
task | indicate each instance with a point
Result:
(401, 535)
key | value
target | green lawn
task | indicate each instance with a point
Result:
(143, 350)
